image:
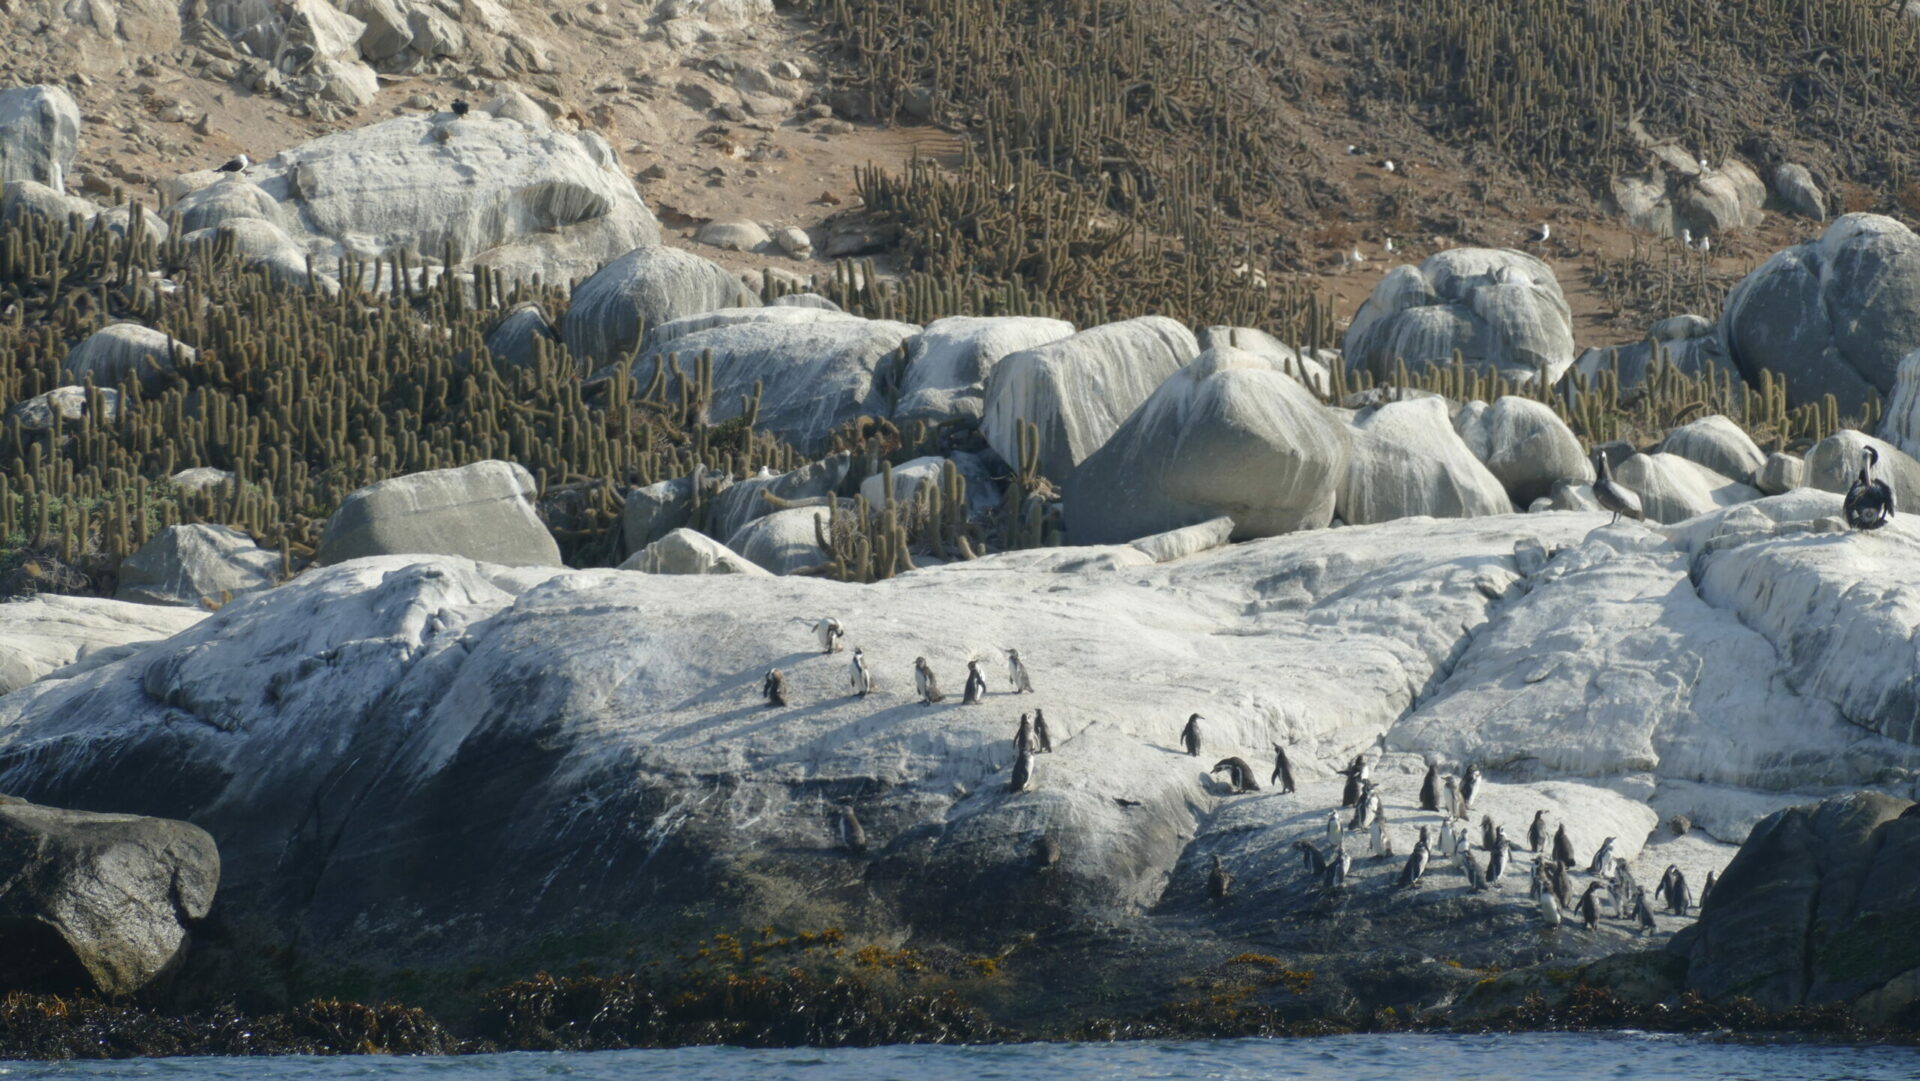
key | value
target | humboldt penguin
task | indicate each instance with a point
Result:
(1042, 735)
(1337, 868)
(1537, 833)
(829, 632)
(862, 679)
(1563, 848)
(1712, 878)
(1476, 878)
(1549, 908)
(460, 107)
(1282, 770)
(1430, 789)
(1023, 737)
(1239, 774)
(1590, 907)
(1190, 736)
(976, 688)
(1602, 864)
(1416, 862)
(846, 828)
(1359, 819)
(924, 682)
(1614, 496)
(1452, 795)
(1469, 785)
(1218, 880)
(1559, 883)
(1644, 913)
(1315, 862)
(1679, 894)
(1017, 673)
(1333, 832)
(1449, 841)
(1358, 773)
(1869, 502)
(1488, 831)
(1022, 772)
(774, 687)
(1497, 860)
(1377, 840)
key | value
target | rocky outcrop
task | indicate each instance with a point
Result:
(1673, 489)
(1901, 424)
(39, 135)
(782, 542)
(41, 635)
(481, 511)
(523, 199)
(1312, 368)
(1833, 315)
(1720, 445)
(64, 405)
(1796, 189)
(1688, 344)
(114, 352)
(1818, 907)
(643, 288)
(684, 551)
(1681, 193)
(1524, 444)
(756, 497)
(97, 903)
(1501, 310)
(949, 363)
(1078, 390)
(1407, 460)
(186, 564)
(518, 337)
(661, 338)
(1227, 435)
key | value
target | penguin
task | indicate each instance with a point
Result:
(238, 164)
(774, 687)
(1489, 831)
(1562, 848)
(1561, 885)
(1537, 833)
(1282, 770)
(1022, 772)
(1666, 881)
(1430, 789)
(1614, 496)
(1679, 896)
(1337, 870)
(1377, 840)
(1706, 889)
(847, 830)
(1549, 909)
(1449, 841)
(1497, 861)
(829, 632)
(1046, 853)
(1468, 786)
(1023, 737)
(1190, 736)
(1042, 735)
(1239, 774)
(460, 107)
(1416, 862)
(1602, 864)
(1017, 673)
(1218, 880)
(976, 688)
(924, 682)
(1476, 878)
(1359, 819)
(1452, 795)
(1589, 907)
(862, 680)
(1333, 832)
(1617, 895)
(1315, 862)
(1869, 502)
(1358, 772)
(1644, 913)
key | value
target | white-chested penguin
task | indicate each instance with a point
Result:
(1563, 848)
(1679, 894)
(1017, 673)
(1869, 502)
(1430, 789)
(1022, 778)
(861, 679)
(1602, 864)
(1549, 908)
(1042, 735)
(1416, 862)
(924, 682)
(1537, 833)
(1359, 819)
(829, 632)
(1239, 774)
(1452, 797)
(1469, 786)
(774, 687)
(1614, 496)
(1282, 770)
(1190, 736)
(1218, 880)
(976, 688)
(1333, 832)
(1337, 869)
(846, 828)
(1023, 737)
(1590, 906)
(1377, 839)
(1449, 841)
(1497, 860)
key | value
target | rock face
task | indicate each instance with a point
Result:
(1687, 343)
(63, 405)
(39, 135)
(524, 199)
(948, 364)
(684, 551)
(1079, 389)
(517, 338)
(661, 338)
(481, 511)
(43, 634)
(1311, 369)
(1796, 188)
(1524, 444)
(1834, 315)
(1901, 424)
(1679, 192)
(744, 501)
(1500, 309)
(114, 352)
(643, 288)
(97, 902)
(185, 564)
(1225, 435)
(1720, 445)
(1673, 489)
(1817, 908)
(1408, 461)
(782, 542)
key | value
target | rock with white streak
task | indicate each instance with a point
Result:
(188, 564)
(482, 511)
(39, 135)
(1901, 423)
(1720, 445)
(644, 288)
(44, 634)
(1524, 444)
(1407, 460)
(685, 551)
(1673, 489)
(949, 364)
(1501, 310)
(115, 352)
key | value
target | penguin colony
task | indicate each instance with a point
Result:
(1610, 888)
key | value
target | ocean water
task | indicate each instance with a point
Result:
(1530, 1057)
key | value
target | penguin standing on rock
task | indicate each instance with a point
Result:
(1022, 772)
(976, 688)
(1644, 911)
(1476, 878)
(1590, 907)
(1017, 673)
(1706, 889)
(774, 687)
(1449, 841)
(1333, 832)
(1488, 831)
(924, 682)
(1358, 774)
(862, 680)
(1497, 861)
(1602, 864)
(1282, 770)
(1451, 793)
(1042, 735)
(847, 830)
(1316, 863)
(829, 632)
(1023, 737)
(1430, 789)
(1416, 863)
(1218, 880)
(1337, 868)
(1190, 736)
(1239, 774)
(1537, 833)
(1469, 785)
(1562, 848)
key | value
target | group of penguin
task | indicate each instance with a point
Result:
(1868, 503)
(1549, 884)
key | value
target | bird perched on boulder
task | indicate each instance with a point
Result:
(774, 687)
(1022, 777)
(1614, 496)
(976, 688)
(1869, 502)
(846, 828)
(1017, 673)
(924, 682)
(1537, 833)
(1590, 906)
(1358, 772)
(1190, 736)
(1562, 848)
(829, 632)
(1282, 770)
(1469, 787)
(1416, 862)
(1218, 880)
(862, 679)
(238, 164)
(460, 107)
(1430, 789)
(1023, 737)
(1042, 735)
(1239, 774)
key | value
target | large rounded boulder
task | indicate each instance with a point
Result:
(39, 135)
(644, 288)
(1500, 309)
(948, 365)
(1225, 435)
(482, 511)
(1408, 461)
(1833, 315)
(1524, 444)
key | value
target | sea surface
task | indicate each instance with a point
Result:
(1530, 1057)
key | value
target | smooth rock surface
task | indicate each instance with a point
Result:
(1781, 473)
(1500, 309)
(44, 634)
(39, 135)
(1794, 186)
(1834, 463)
(643, 288)
(1901, 423)
(185, 564)
(63, 405)
(949, 363)
(517, 338)
(482, 511)
(684, 551)
(1720, 445)
(1524, 444)
(114, 352)
(782, 542)
(1673, 489)
(1312, 370)
(1408, 461)
(743, 501)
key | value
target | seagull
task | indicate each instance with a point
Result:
(1706, 244)
(1387, 165)
(236, 165)
(1355, 257)
(1704, 167)
(460, 107)
(1352, 149)
(1540, 235)
(1686, 237)
(1389, 244)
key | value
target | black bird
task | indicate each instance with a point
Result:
(1487, 832)
(460, 107)
(976, 689)
(1239, 774)
(1190, 736)
(1041, 734)
(1356, 774)
(236, 165)
(1022, 772)
(1335, 875)
(1644, 913)
(1562, 848)
(775, 688)
(1869, 502)
(1023, 736)
(1712, 878)
(1282, 770)
(1430, 790)
(1316, 863)
(1589, 907)
(1218, 880)
(1537, 833)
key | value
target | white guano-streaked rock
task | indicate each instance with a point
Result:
(1407, 461)
(482, 511)
(1524, 444)
(684, 551)
(44, 634)
(1673, 489)
(1501, 309)
(188, 564)
(949, 363)
(1718, 444)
